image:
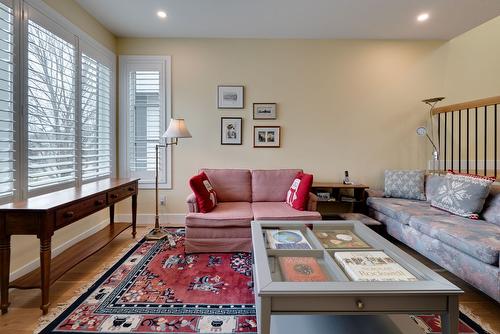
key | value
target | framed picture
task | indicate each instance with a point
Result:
(230, 97)
(266, 136)
(264, 111)
(230, 130)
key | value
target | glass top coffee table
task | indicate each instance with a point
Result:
(342, 267)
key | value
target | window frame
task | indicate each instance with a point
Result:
(126, 64)
(42, 14)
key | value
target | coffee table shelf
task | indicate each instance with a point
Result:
(280, 271)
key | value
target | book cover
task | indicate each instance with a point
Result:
(335, 239)
(302, 269)
(287, 239)
(372, 266)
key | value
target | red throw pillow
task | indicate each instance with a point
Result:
(298, 195)
(206, 198)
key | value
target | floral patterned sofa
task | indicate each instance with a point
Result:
(467, 248)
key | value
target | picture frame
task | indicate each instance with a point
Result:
(230, 97)
(264, 111)
(267, 136)
(231, 130)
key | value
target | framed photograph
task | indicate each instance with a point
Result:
(266, 136)
(230, 97)
(230, 130)
(264, 111)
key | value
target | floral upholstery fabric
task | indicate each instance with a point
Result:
(402, 209)
(407, 184)
(432, 183)
(462, 195)
(483, 276)
(491, 212)
(476, 238)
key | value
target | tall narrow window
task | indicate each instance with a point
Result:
(96, 119)
(51, 109)
(6, 102)
(145, 111)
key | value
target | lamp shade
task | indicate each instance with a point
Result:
(177, 129)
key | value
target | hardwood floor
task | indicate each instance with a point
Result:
(24, 312)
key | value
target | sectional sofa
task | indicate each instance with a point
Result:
(243, 195)
(467, 248)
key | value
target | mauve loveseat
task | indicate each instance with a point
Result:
(467, 248)
(243, 195)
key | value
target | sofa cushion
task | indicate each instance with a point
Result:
(298, 194)
(402, 210)
(281, 211)
(407, 184)
(206, 198)
(231, 185)
(225, 214)
(462, 194)
(272, 185)
(432, 183)
(477, 238)
(491, 211)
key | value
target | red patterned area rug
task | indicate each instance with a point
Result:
(156, 287)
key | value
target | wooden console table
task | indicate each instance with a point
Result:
(43, 215)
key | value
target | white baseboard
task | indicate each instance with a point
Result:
(30, 266)
(176, 219)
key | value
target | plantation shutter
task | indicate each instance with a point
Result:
(96, 119)
(51, 107)
(7, 157)
(145, 124)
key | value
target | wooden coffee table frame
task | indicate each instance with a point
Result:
(431, 294)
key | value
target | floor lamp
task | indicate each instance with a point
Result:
(422, 131)
(176, 129)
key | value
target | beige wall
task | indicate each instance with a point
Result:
(83, 20)
(472, 64)
(342, 105)
(25, 248)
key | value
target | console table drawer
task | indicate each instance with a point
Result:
(79, 210)
(358, 304)
(121, 193)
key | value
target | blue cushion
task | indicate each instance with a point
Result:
(477, 238)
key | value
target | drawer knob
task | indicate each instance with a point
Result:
(99, 202)
(131, 189)
(360, 305)
(69, 214)
(114, 196)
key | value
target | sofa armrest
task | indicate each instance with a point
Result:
(192, 204)
(374, 193)
(312, 203)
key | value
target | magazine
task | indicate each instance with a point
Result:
(372, 266)
(301, 269)
(287, 239)
(335, 239)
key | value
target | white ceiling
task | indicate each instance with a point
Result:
(344, 19)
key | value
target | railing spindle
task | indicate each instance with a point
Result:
(460, 141)
(439, 142)
(452, 136)
(485, 140)
(468, 141)
(475, 135)
(445, 138)
(495, 142)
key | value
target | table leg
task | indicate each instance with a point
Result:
(45, 258)
(264, 316)
(112, 215)
(134, 214)
(4, 271)
(449, 319)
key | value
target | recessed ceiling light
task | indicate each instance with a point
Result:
(423, 17)
(161, 14)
